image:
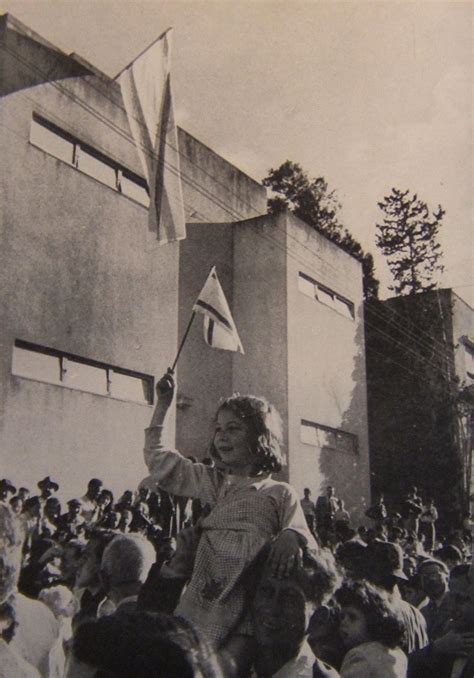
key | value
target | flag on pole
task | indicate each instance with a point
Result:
(146, 92)
(219, 327)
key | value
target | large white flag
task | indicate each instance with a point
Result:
(219, 327)
(146, 92)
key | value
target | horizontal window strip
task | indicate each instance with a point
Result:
(326, 437)
(60, 368)
(315, 290)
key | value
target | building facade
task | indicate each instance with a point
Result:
(420, 371)
(92, 308)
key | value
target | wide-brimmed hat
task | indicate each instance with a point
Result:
(7, 485)
(386, 558)
(74, 502)
(48, 482)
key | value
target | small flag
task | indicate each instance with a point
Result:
(219, 327)
(146, 92)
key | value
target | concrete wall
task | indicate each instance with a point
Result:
(326, 369)
(463, 325)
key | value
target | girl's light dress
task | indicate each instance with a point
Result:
(247, 512)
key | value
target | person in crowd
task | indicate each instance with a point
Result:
(351, 558)
(126, 521)
(309, 510)
(89, 588)
(89, 500)
(24, 493)
(378, 511)
(452, 654)
(125, 502)
(47, 487)
(412, 591)
(428, 518)
(250, 509)
(7, 490)
(125, 565)
(16, 505)
(434, 581)
(450, 555)
(342, 519)
(105, 502)
(35, 629)
(282, 608)
(384, 568)
(12, 665)
(30, 521)
(326, 507)
(111, 521)
(50, 520)
(411, 510)
(72, 524)
(71, 554)
(63, 604)
(143, 645)
(372, 632)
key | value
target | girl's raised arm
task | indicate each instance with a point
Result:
(165, 393)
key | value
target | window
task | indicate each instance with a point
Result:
(62, 145)
(326, 437)
(325, 296)
(63, 369)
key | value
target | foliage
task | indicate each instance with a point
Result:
(408, 238)
(312, 202)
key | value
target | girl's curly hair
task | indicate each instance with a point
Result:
(384, 622)
(264, 428)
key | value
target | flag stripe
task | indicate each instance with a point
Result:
(210, 331)
(222, 319)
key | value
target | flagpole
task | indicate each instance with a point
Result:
(143, 51)
(183, 340)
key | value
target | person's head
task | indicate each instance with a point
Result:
(247, 435)
(380, 532)
(16, 505)
(450, 555)
(94, 486)
(48, 487)
(411, 590)
(340, 504)
(282, 607)
(434, 578)
(7, 489)
(24, 493)
(74, 507)
(126, 560)
(90, 562)
(60, 600)
(72, 551)
(367, 615)
(32, 507)
(351, 556)
(126, 500)
(307, 492)
(105, 498)
(144, 493)
(113, 520)
(461, 594)
(52, 509)
(145, 644)
(330, 491)
(10, 550)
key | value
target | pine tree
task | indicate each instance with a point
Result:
(312, 202)
(408, 238)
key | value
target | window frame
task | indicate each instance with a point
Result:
(335, 296)
(147, 380)
(336, 432)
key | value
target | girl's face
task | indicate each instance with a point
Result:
(231, 441)
(353, 627)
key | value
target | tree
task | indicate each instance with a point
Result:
(408, 238)
(312, 202)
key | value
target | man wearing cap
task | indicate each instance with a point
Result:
(384, 568)
(7, 490)
(434, 582)
(452, 654)
(72, 523)
(89, 500)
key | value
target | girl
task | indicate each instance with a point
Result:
(249, 509)
(371, 630)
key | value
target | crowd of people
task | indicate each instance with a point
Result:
(215, 569)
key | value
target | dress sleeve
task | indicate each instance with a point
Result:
(174, 473)
(292, 517)
(356, 665)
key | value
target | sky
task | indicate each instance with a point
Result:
(369, 95)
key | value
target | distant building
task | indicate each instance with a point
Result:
(420, 375)
(92, 308)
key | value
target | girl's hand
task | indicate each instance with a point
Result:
(284, 554)
(165, 388)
